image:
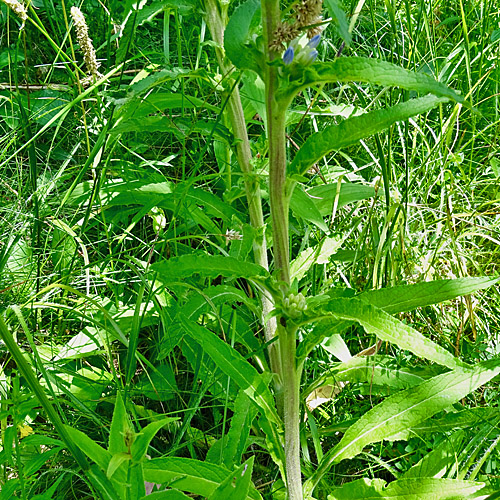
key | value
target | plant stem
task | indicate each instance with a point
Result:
(279, 200)
(216, 22)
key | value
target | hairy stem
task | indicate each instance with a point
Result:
(276, 112)
(216, 21)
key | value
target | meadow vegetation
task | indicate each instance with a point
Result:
(249, 249)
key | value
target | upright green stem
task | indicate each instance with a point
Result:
(276, 113)
(216, 22)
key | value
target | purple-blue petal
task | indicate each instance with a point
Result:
(288, 55)
(314, 41)
(313, 55)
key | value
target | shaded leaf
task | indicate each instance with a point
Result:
(143, 438)
(236, 484)
(336, 10)
(237, 33)
(304, 207)
(209, 266)
(324, 196)
(389, 329)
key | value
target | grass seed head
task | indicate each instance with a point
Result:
(82, 34)
(18, 8)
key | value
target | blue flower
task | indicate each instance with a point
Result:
(314, 41)
(288, 55)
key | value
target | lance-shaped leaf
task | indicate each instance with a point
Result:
(353, 129)
(426, 488)
(389, 329)
(404, 410)
(234, 365)
(395, 300)
(408, 297)
(362, 69)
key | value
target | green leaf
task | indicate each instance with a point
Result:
(209, 266)
(234, 365)
(140, 107)
(159, 385)
(95, 452)
(389, 329)
(119, 425)
(187, 474)
(408, 297)
(324, 196)
(116, 461)
(406, 489)
(438, 461)
(336, 10)
(351, 130)
(243, 415)
(362, 69)
(318, 254)
(102, 484)
(237, 34)
(378, 370)
(464, 419)
(167, 495)
(136, 484)
(236, 484)
(143, 438)
(406, 409)
(303, 206)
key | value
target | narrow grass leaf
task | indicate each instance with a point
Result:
(406, 409)
(351, 130)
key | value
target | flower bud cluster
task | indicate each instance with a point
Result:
(294, 305)
(301, 54)
(18, 8)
